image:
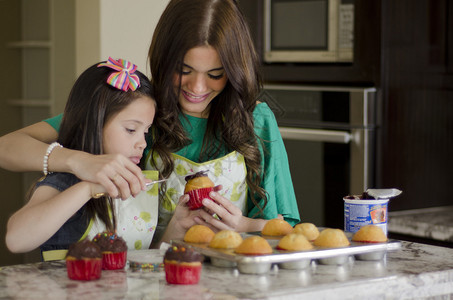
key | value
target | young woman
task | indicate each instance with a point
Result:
(109, 111)
(205, 75)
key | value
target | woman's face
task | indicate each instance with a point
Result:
(203, 77)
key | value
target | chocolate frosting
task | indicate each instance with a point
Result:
(109, 241)
(182, 254)
(198, 174)
(84, 249)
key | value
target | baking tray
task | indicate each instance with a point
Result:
(362, 251)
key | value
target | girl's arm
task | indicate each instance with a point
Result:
(45, 213)
(24, 150)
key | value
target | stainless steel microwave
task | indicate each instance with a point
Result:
(319, 31)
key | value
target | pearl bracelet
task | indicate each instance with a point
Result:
(45, 164)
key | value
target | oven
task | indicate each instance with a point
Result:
(329, 135)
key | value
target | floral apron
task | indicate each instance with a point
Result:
(229, 171)
(136, 220)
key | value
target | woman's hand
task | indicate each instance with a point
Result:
(183, 218)
(222, 214)
(116, 173)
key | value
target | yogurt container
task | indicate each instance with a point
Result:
(358, 213)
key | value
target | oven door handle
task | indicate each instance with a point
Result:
(316, 135)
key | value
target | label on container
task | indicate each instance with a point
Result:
(358, 213)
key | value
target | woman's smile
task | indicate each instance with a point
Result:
(194, 98)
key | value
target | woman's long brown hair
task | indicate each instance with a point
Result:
(221, 25)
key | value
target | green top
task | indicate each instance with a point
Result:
(277, 178)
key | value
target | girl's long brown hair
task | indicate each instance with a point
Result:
(91, 103)
(221, 25)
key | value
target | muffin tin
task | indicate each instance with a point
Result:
(259, 264)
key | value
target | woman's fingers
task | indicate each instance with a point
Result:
(221, 213)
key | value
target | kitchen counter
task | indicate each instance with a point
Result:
(414, 271)
(434, 223)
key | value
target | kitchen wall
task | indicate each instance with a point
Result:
(93, 30)
(10, 117)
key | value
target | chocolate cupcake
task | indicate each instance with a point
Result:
(113, 248)
(182, 265)
(84, 261)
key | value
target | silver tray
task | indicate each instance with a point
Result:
(261, 263)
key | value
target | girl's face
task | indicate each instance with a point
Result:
(124, 133)
(203, 77)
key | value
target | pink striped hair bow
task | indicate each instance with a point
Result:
(124, 79)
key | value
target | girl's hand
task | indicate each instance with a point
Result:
(116, 173)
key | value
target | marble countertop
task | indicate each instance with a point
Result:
(433, 223)
(414, 271)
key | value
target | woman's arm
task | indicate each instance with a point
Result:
(24, 150)
(45, 213)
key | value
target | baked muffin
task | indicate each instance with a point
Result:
(331, 238)
(199, 234)
(370, 234)
(309, 230)
(113, 248)
(198, 186)
(84, 261)
(182, 265)
(276, 227)
(294, 242)
(254, 245)
(226, 239)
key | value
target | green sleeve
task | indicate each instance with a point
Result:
(277, 176)
(55, 122)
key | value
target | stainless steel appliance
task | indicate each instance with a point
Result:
(329, 135)
(308, 31)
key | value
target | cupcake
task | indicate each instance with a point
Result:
(309, 230)
(84, 261)
(276, 227)
(113, 248)
(294, 242)
(198, 186)
(370, 234)
(182, 265)
(254, 245)
(226, 239)
(332, 238)
(199, 234)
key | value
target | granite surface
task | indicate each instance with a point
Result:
(433, 223)
(414, 271)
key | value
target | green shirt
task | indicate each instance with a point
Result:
(277, 177)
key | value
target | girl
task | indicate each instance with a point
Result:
(109, 111)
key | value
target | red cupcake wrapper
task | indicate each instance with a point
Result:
(84, 269)
(197, 196)
(182, 274)
(113, 261)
